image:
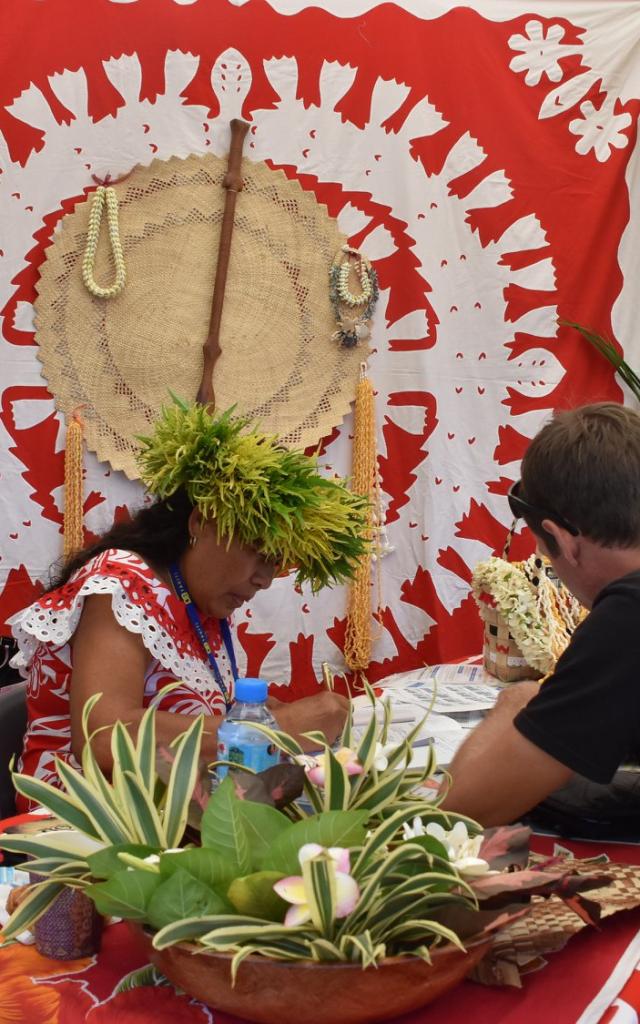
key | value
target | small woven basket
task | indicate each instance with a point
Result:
(501, 654)
(70, 929)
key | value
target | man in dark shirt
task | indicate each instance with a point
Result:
(580, 495)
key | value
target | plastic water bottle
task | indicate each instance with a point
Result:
(240, 744)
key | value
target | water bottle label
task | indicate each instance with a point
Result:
(257, 757)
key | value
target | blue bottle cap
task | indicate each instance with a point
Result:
(252, 690)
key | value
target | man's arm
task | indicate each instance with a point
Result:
(497, 773)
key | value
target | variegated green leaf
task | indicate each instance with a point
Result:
(383, 835)
(182, 780)
(235, 934)
(148, 824)
(32, 907)
(105, 820)
(324, 951)
(146, 749)
(413, 931)
(57, 866)
(281, 740)
(58, 803)
(123, 750)
(320, 887)
(336, 785)
(46, 845)
(190, 930)
(375, 797)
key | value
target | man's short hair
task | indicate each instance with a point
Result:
(585, 465)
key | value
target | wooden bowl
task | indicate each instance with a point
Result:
(285, 992)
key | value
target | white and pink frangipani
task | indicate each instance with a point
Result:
(294, 888)
(348, 758)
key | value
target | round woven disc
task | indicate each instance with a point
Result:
(120, 357)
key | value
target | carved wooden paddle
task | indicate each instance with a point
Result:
(232, 182)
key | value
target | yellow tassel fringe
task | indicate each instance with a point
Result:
(73, 488)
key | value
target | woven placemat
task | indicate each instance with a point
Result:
(521, 946)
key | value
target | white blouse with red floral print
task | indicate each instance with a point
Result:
(141, 603)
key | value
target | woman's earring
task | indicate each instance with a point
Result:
(193, 540)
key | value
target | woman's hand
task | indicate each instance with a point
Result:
(325, 712)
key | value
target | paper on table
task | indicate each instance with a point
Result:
(450, 698)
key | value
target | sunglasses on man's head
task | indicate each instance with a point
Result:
(522, 509)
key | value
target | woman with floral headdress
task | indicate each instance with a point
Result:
(148, 604)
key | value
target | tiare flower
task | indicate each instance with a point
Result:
(294, 888)
(316, 771)
(462, 849)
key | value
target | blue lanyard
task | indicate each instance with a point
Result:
(196, 622)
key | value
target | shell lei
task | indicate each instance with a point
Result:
(541, 616)
(103, 197)
(352, 311)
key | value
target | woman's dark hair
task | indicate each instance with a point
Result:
(159, 533)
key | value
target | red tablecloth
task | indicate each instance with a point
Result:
(592, 979)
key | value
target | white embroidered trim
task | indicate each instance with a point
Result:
(35, 625)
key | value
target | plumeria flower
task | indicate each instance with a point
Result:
(462, 849)
(347, 758)
(294, 891)
(380, 759)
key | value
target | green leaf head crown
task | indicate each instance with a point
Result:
(257, 491)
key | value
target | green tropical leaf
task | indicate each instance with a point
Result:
(330, 828)
(263, 824)
(223, 828)
(32, 907)
(107, 863)
(254, 894)
(126, 894)
(182, 780)
(182, 896)
(209, 866)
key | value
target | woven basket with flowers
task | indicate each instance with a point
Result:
(529, 617)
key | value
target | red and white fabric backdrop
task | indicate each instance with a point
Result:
(484, 156)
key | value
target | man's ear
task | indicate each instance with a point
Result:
(568, 545)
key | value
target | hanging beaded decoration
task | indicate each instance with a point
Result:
(352, 311)
(103, 197)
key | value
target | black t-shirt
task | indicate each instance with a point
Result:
(587, 714)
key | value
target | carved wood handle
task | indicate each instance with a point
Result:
(232, 182)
